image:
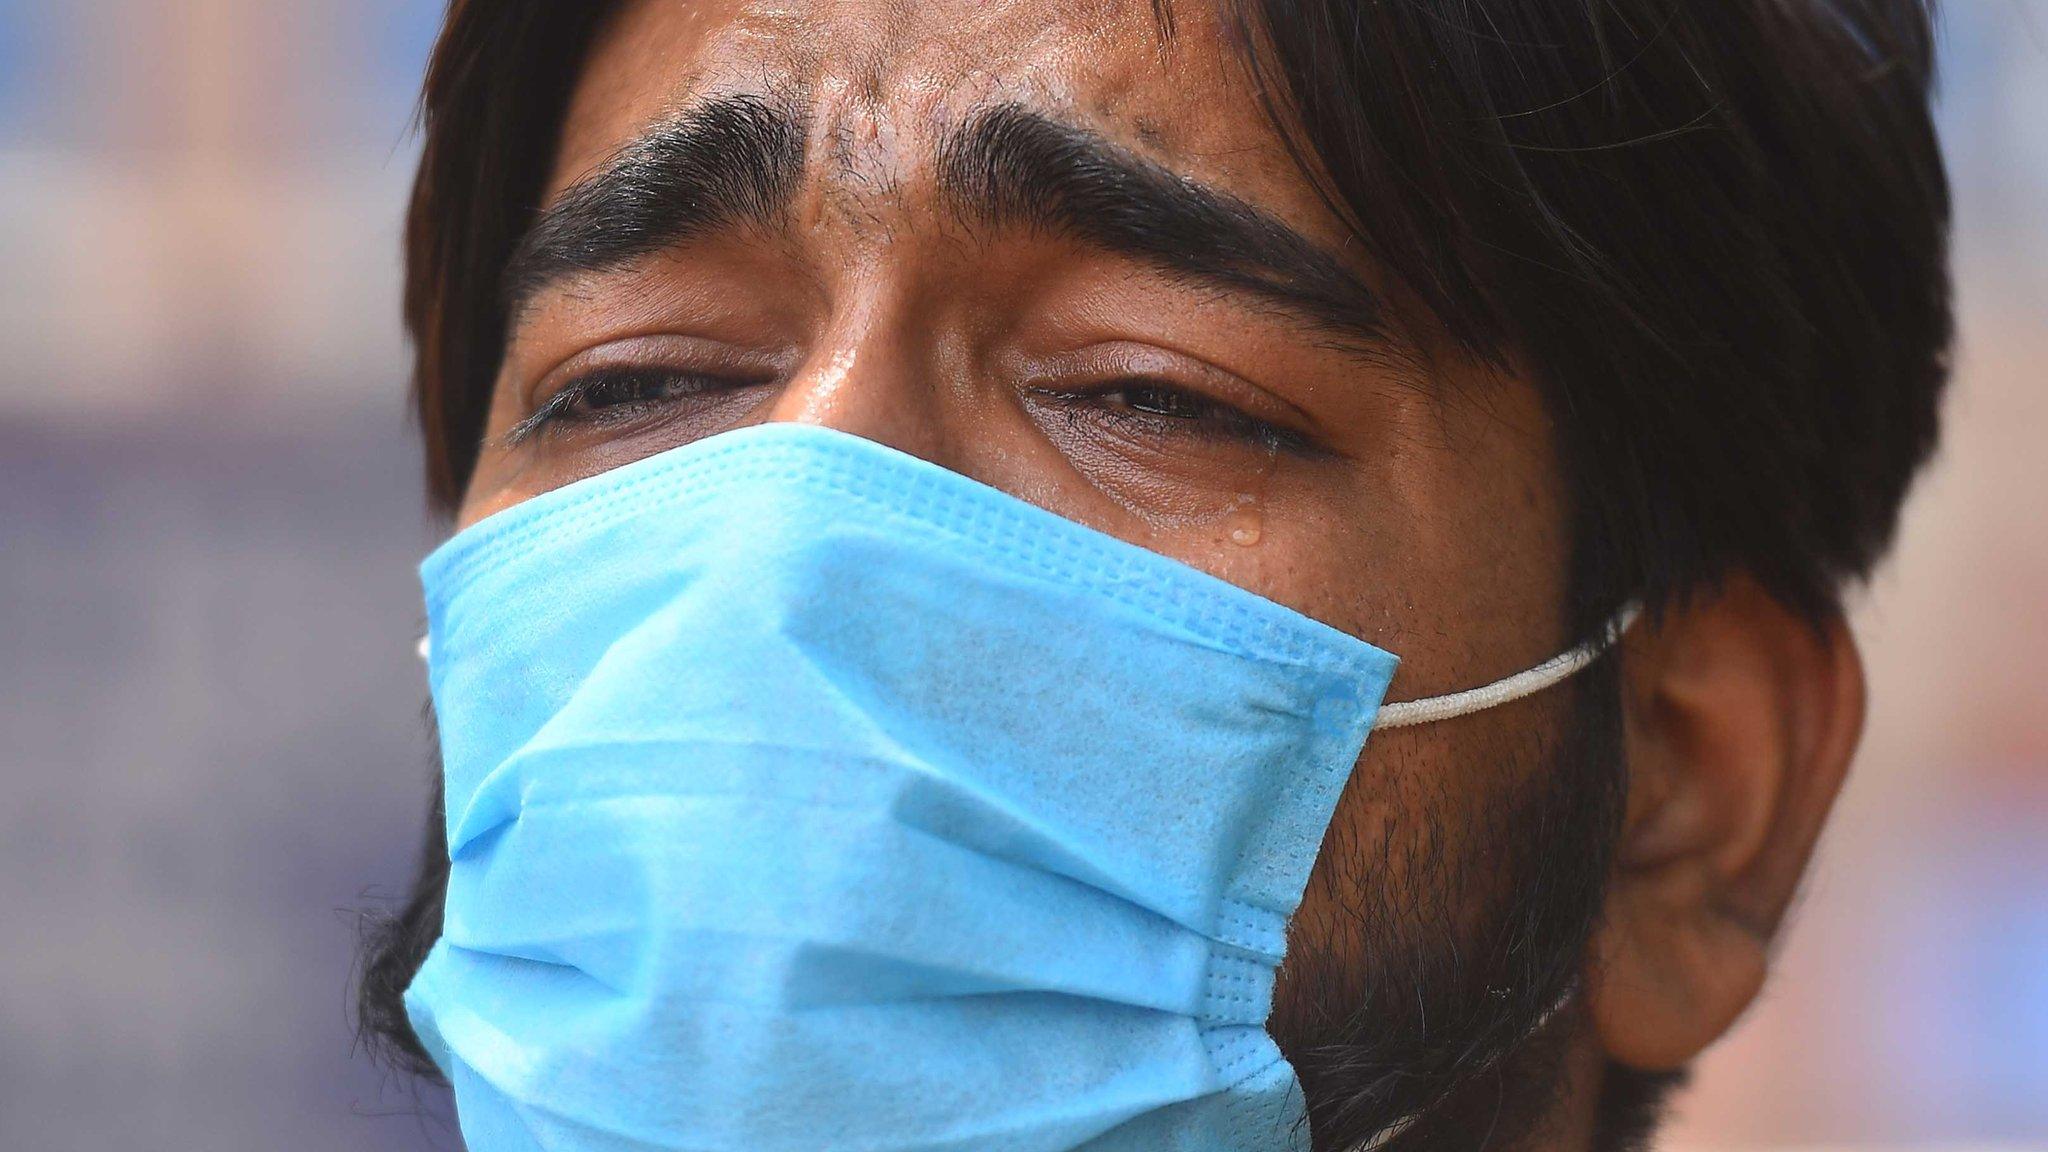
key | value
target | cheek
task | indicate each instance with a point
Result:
(497, 484)
(1305, 535)
(1417, 854)
(478, 508)
(1445, 546)
(505, 477)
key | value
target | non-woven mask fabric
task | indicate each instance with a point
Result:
(803, 794)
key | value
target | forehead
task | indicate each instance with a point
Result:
(879, 82)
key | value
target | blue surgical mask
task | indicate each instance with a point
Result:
(804, 795)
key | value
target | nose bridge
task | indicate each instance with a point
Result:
(868, 376)
(867, 208)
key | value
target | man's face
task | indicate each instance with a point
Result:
(1061, 251)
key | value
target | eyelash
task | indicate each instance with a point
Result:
(563, 407)
(1146, 405)
(1149, 406)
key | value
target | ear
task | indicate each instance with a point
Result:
(1741, 718)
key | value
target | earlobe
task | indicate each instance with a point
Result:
(1741, 718)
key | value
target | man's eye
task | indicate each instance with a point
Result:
(1152, 408)
(617, 392)
(616, 389)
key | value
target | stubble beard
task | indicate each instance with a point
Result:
(1433, 1013)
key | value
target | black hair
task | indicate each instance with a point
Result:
(1714, 235)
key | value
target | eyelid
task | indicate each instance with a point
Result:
(1276, 429)
(1131, 361)
(555, 408)
(653, 351)
(672, 352)
(1227, 421)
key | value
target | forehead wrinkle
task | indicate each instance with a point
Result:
(853, 174)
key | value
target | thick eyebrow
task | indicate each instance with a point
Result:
(1008, 166)
(727, 161)
(739, 160)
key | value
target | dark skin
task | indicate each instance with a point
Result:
(1333, 456)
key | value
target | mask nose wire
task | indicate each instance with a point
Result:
(1526, 683)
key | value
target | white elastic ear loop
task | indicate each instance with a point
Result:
(1559, 667)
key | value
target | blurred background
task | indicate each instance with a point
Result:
(210, 745)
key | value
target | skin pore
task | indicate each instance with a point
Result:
(931, 255)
